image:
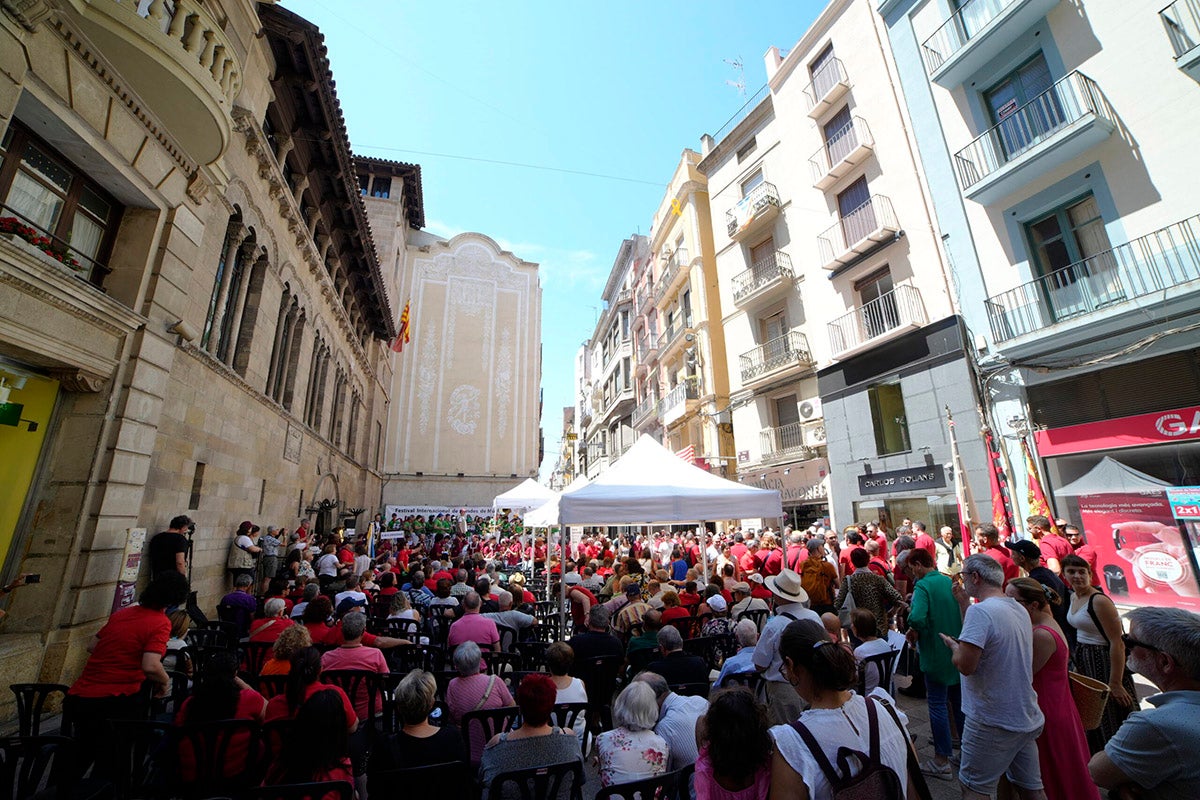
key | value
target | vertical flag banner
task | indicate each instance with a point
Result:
(962, 488)
(404, 333)
(1001, 515)
(1037, 495)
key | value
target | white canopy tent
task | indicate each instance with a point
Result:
(546, 515)
(529, 494)
(1112, 477)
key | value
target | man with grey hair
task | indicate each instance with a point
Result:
(267, 630)
(311, 590)
(994, 653)
(460, 587)
(1154, 751)
(675, 665)
(596, 640)
(506, 616)
(352, 654)
(677, 717)
(746, 635)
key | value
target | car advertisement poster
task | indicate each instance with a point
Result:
(1142, 554)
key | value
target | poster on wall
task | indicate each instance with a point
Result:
(1141, 553)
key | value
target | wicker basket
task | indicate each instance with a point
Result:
(1091, 696)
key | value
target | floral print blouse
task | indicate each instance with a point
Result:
(626, 756)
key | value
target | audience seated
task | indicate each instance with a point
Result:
(537, 743)
(473, 691)
(418, 743)
(632, 751)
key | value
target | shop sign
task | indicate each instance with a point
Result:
(903, 480)
(1185, 502)
(800, 483)
(1160, 427)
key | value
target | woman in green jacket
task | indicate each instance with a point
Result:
(935, 611)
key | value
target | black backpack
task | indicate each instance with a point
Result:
(875, 781)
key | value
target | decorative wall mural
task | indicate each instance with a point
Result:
(462, 411)
(504, 375)
(427, 374)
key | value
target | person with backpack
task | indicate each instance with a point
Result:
(845, 745)
(819, 578)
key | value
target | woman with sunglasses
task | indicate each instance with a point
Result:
(1062, 745)
(1099, 652)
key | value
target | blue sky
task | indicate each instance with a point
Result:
(616, 89)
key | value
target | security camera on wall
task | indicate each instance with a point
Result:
(183, 330)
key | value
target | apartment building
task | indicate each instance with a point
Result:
(685, 368)
(845, 346)
(1057, 140)
(607, 394)
(194, 319)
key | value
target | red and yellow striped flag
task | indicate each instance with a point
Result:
(404, 333)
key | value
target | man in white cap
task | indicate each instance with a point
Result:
(783, 704)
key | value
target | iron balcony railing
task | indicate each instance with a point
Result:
(775, 267)
(861, 223)
(675, 262)
(782, 440)
(1158, 261)
(898, 308)
(791, 348)
(1068, 101)
(645, 297)
(1182, 21)
(841, 144)
(647, 408)
(966, 23)
(828, 76)
(681, 393)
(673, 332)
(746, 210)
(648, 347)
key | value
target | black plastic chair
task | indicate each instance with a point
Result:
(751, 680)
(706, 647)
(269, 685)
(144, 757)
(564, 715)
(691, 689)
(406, 658)
(508, 637)
(757, 615)
(533, 654)
(883, 664)
(254, 656)
(356, 683)
(26, 762)
(229, 629)
(501, 664)
(31, 704)
(542, 783)
(452, 779)
(660, 787)
(408, 629)
(300, 791)
(202, 639)
(210, 746)
(238, 616)
(638, 659)
(599, 676)
(491, 721)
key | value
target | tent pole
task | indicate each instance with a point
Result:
(704, 549)
(562, 583)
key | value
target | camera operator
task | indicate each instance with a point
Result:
(169, 549)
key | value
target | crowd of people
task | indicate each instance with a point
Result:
(747, 669)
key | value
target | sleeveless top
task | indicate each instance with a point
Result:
(1082, 622)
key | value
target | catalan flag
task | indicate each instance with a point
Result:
(405, 331)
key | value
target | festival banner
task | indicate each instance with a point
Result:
(1037, 495)
(1001, 517)
(1141, 553)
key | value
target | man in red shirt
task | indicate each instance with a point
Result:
(770, 556)
(924, 541)
(268, 629)
(1054, 547)
(987, 540)
(758, 588)
(1074, 537)
(854, 541)
(581, 599)
(127, 651)
(739, 548)
(874, 532)
(876, 564)
(797, 551)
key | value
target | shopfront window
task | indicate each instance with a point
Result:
(934, 510)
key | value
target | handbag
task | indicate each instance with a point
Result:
(1090, 696)
(846, 610)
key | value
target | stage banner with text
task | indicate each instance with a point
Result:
(1140, 549)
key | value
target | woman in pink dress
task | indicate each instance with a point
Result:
(1062, 745)
(735, 748)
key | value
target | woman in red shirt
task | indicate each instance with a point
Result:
(317, 747)
(219, 694)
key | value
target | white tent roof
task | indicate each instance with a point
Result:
(1112, 477)
(650, 484)
(530, 494)
(546, 515)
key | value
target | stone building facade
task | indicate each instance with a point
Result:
(209, 330)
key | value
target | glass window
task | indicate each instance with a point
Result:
(1071, 250)
(749, 184)
(46, 192)
(888, 418)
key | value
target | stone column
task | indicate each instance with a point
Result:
(229, 346)
(233, 240)
(276, 351)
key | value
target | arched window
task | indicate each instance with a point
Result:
(235, 235)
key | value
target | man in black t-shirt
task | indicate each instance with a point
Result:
(596, 640)
(169, 549)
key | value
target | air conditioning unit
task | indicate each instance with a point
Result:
(810, 409)
(814, 435)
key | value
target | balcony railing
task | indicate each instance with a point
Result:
(645, 297)
(784, 440)
(644, 410)
(776, 268)
(1156, 262)
(647, 349)
(898, 309)
(78, 263)
(676, 262)
(843, 151)
(873, 221)
(774, 355)
(827, 85)
(750, 208)
(683, 392)
(1182, 21)
(978, 31)
(672, 332)
(1071, 100)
